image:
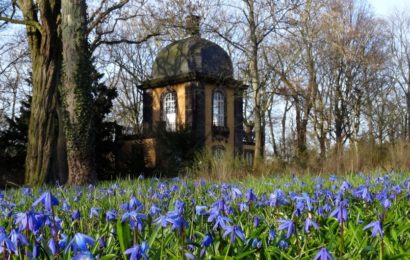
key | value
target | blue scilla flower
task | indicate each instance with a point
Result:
(83, 256)
(345, 187)
(161, 221)
(310, 223)
(205, 243)
(250, 196)
(135, 204)
(376, 228)
(363, 193)
(340, 213)
(221, 222)
(179, 206)
(256, 221)
(207, 240)
(75, 215)
(200, 210)
(256, 243)
(272, 234)
(138, 251)
(94, 212)
(6, 244)
(18, 239)
(178, 223)
(236, 193)
(110, 215)
(283, 245)
(53, 246)
(29, 220)
(27, 191)
(80, 243)
(323, 254)
(289, 225)
(234, 232)
(48, 200)
(66, 206)
(135, 219)
(243, 207)
(154, 210)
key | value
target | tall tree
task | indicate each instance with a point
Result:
(41, 19)
(399, 30)
(76, 92)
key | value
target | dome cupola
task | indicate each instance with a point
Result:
(192, 57)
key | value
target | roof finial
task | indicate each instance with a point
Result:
(192, 25)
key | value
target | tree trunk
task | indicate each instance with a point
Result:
(256, 88)
(45, 51)
(59, 159)
(76, 93)
(272, 134)
(408, 114)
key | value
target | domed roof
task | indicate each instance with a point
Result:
(192, 56)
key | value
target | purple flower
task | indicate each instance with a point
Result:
(256, 221)
(94, 212)
(235, 193)
(283, 244)
(66, 206)
(75, 215)
(83, 256)
(272, 234)
(323, 254)
(363, 193)
(256, 243)
(376, 228)
(29, 220)
(6, 244)
(36, 249)
(287, 224)
(138, 251)
(235, 231)
(53, 246)
(80, 243)
(135, 219)
(243, 207)
(340, 212)
(135, 204)
(200, 210)
(111, 215)
(178, 223)
(207, 241)
(310, 223)
(250, 196)
(161, 220)
(221, 222)
(18, 239)
(386, 203)
(48, 199)
(154, 210)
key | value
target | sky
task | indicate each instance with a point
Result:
(386, 7)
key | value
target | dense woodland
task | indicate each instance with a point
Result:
(328, 80)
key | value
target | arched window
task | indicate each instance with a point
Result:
(218, 109)
(169, 111)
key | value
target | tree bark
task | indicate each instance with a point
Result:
(76, 93)
(45, 51)
(256, 88)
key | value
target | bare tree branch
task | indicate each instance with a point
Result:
(32, 23)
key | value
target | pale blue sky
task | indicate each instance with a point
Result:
(386, 7)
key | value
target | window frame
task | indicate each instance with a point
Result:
(224, 107)
(168, 126)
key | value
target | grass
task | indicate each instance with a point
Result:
(252, 206)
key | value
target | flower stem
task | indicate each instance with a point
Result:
(341, 239)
